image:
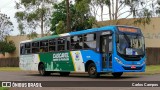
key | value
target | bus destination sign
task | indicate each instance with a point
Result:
(126, 29)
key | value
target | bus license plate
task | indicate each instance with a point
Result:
(133, 67)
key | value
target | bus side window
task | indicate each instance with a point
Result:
(44, 46)
(22, 49)
(35, 47)
(52, 45)
(61, 44)
(76, 42)
(90, 41)
(27, 48)
(68, 43)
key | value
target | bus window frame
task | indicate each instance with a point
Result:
(41, 47)
(28, 48)
(57, 44)
(68, 49)
(99, 34)
(52, 45)
(75, 49)
(38, 47)
(95, 33)
(22, 49)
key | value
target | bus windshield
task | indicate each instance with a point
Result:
(130, 44)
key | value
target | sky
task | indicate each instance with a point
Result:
(7, 7)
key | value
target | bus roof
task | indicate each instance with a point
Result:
(76, 33)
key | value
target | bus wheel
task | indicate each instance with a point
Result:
(117, 74)
(64, 73)
(92, 71)
(42, 70)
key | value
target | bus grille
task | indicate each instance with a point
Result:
(129, 68)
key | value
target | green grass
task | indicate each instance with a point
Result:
(1, 88)
(153, 69)
(150, 70)
(10, 69)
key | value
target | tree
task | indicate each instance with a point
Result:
(7, 47)
(34, 14)
(6, 26)
(101, 3)
(142, 10)
(59, 14)
(68, 16)
(32, 35)
(60, 28)
(83, 18)
(80, 18)
(93, 7)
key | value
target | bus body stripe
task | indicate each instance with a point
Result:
(38, 57)
(73, 61)
(78, 61)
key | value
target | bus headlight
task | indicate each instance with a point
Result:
(119, 61)
(144, 62)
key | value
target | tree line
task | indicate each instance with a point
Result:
(74, 15)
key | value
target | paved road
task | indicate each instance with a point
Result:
(34, 76)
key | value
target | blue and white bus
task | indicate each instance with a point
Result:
(108, 49)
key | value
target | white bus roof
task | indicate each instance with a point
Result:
(25, 41)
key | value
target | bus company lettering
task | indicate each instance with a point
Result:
(60, 57)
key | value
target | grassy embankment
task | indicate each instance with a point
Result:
(153, 69)
(150, 70)
(10, 69)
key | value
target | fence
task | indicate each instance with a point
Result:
(9, 62)
(153, 56)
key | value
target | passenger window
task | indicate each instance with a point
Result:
(76, 42)
(89, 37)
(61, 44)
(90, 41)
(35, 47)
(44, 46)
(22, 49)
(52, 45)
(27, 48)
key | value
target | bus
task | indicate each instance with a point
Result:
(110, 49)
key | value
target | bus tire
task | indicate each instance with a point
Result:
(64, 73)
(117, 74)
(42, 70)
(92, 71)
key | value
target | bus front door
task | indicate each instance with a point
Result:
(106, 48)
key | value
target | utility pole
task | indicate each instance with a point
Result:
(68, 16)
